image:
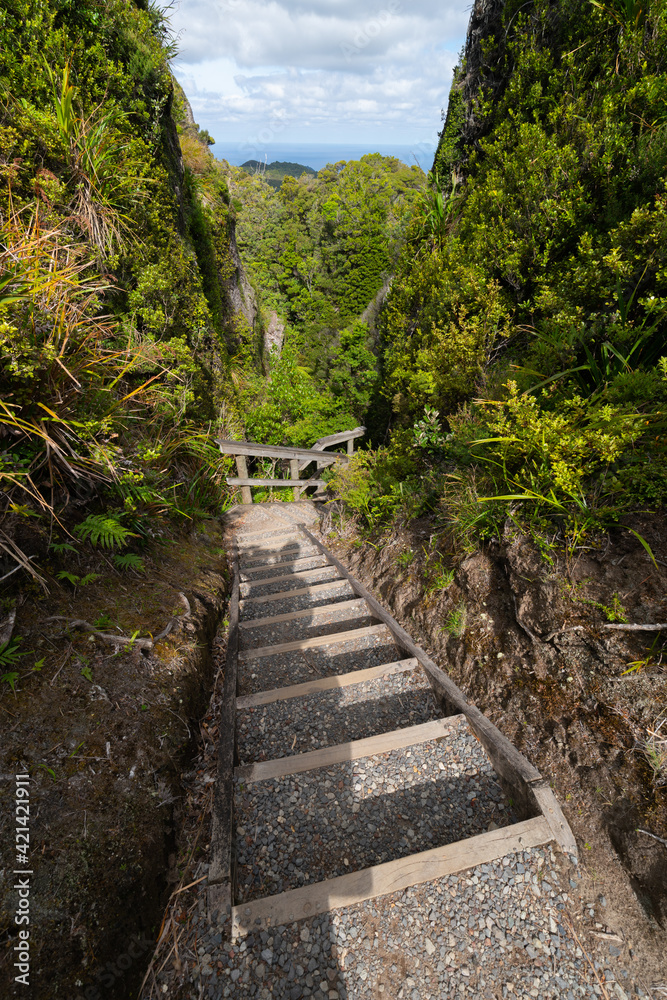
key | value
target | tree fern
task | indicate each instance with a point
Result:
(104, 530)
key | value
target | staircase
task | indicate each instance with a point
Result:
(351, 768)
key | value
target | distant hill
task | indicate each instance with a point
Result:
(273, 173)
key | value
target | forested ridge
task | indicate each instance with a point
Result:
(497, 325)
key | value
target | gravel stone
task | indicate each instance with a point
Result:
(285, 669)
(466, 961)
(351, 713)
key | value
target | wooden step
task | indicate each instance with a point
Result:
(283, 595)
(322, 609)
(286, 563)
(391, 876)
(318, 640)
(343, 752)
(292, 549)
(288, 576)
(275, 529)
(325, 684)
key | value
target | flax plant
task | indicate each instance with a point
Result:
(61, 383)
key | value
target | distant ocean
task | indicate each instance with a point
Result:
(317, 155)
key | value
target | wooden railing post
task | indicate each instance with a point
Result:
(242, 469)
(350, 446)
(294, 473)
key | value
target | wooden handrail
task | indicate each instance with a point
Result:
(253, 449)
(249, 481)
(332, 439)
(298, 458)
(327, 442)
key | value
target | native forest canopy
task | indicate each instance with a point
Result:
(498, 325)
(503, 318)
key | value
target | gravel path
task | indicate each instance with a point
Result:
(306, 827)
(512, 928)
(500, 931)
(286, 669)
(351, 713)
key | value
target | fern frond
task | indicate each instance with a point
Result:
(130, 561)
(9, 652)
(104, 530)
(60, 547)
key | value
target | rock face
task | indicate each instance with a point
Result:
(483, 69)
(187, 109)
(239, 302)
(274, 334)
(240, 293)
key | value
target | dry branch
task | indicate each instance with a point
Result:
(638, 628)
(10, 547)
(647, 833)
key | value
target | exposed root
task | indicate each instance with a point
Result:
(117, 640)
(647, 833)
(123, 640)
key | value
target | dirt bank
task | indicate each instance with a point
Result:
(105, 734)
(527, 641)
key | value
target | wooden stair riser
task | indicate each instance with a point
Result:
(297, 576)
(277, 556)
(323, 609)
(249, 575)
(392, 876)
(284, 595)
(314, 643)
(324, 684)
(344, 752)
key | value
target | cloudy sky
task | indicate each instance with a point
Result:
(265, 72)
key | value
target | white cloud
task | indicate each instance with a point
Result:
(254, 66)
